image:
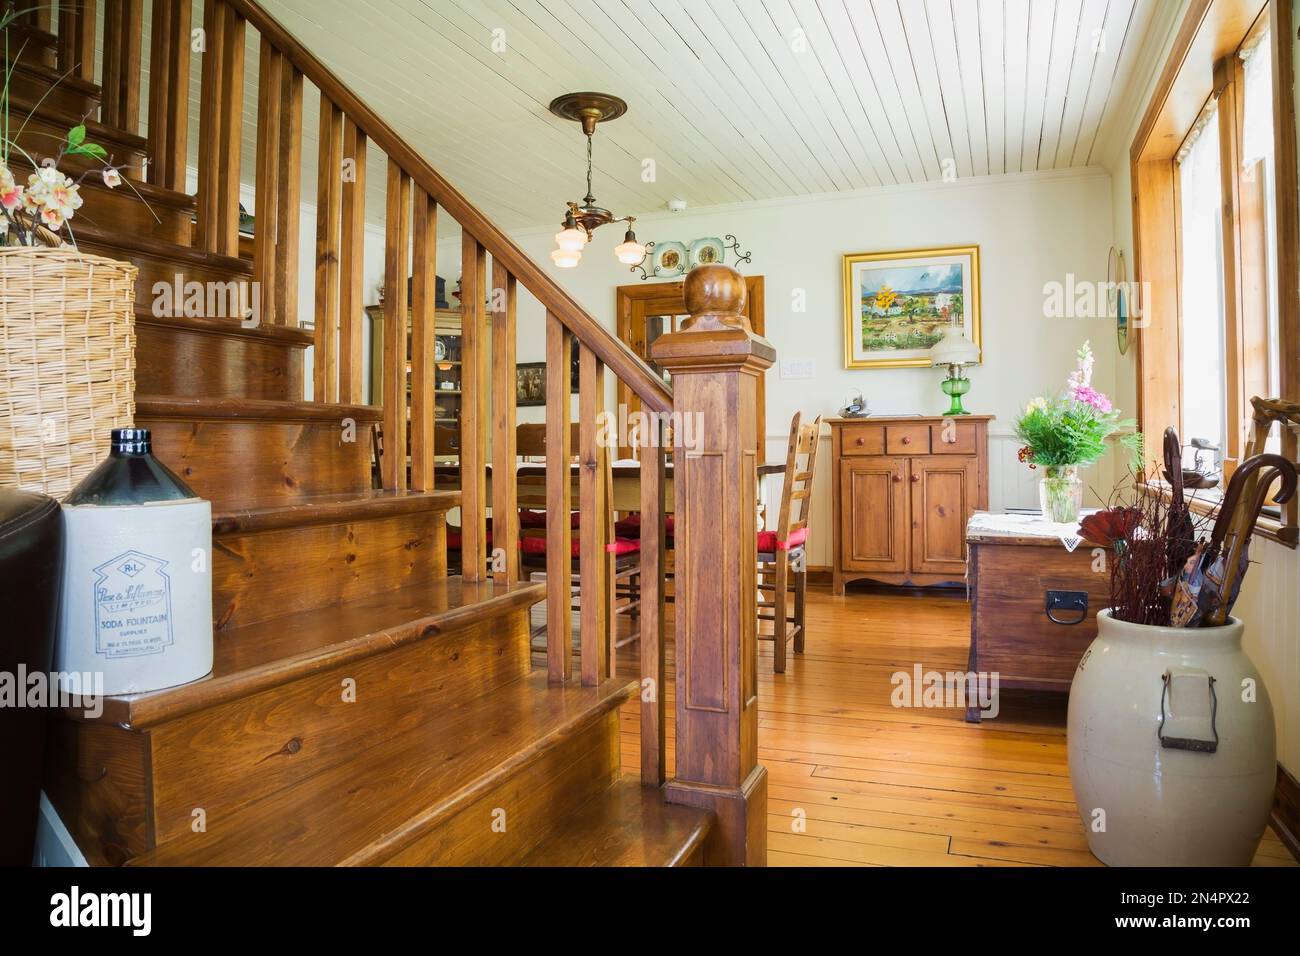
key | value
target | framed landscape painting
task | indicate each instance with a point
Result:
(897, 304)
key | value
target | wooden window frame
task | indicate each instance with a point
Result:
(1203, 69)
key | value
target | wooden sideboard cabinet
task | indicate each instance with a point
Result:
(904, 488)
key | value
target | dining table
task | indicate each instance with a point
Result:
(625, 476)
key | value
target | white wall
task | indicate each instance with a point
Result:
(1031, 229)
(1270, 599)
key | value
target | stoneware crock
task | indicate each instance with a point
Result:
(1186, 800)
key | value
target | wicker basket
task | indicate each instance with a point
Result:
(67, 348)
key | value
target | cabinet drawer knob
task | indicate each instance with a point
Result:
(907, 439)
(898, 477)
(860, 441)
(916, 478)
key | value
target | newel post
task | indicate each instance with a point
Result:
(715, 360)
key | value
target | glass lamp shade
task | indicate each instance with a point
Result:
(566, 258)
(571, 239)
(629, 252)
(954, 349)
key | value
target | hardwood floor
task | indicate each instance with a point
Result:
(854, 781)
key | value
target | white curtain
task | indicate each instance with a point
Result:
(1257, 152)
(1204, 389)
(1258, 119)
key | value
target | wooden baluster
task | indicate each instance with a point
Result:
(77, 21)
(352, 268)
(123, 35)
(41, 18)
(473, 414)
(214, 24)
(593, 534)
(559, 503)
(329, 193)
(266, 234)
(505, 507)
(221, 129)
(397, 247)
(424, 332)
(715, 366)
(169, 101)
(288, 204)
(653, 754)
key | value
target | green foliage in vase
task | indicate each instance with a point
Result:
(1072, 429)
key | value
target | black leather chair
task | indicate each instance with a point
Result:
(31, 564)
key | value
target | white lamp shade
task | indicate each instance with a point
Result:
(571, 240)
(629, 253)
(566, 258)
(954, 349)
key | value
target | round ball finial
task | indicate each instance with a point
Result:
(714, 290)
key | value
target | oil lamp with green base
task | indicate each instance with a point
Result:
(955, 351)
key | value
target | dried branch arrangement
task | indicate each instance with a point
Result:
(1174, 567)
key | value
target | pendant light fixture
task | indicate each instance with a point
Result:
(582, 219)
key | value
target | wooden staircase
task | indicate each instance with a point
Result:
(364, 707)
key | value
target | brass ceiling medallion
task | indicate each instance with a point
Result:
(582, 219)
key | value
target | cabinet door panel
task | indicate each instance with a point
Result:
(873, 514)
(944, 491)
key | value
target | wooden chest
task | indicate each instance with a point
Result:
(1034, 600)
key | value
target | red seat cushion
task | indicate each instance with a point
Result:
(536, 545)
(768, 542)
(630, 527)
(537, 519)
(453, 536)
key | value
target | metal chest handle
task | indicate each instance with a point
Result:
(1068, 601)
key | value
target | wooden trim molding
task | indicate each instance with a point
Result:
(1285, 817)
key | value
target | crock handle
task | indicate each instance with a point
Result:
(1182, 739)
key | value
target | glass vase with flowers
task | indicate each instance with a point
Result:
(1070, 431)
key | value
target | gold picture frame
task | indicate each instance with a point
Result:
(917, 315)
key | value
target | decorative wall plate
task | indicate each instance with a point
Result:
(439, 350)
(669, 259)
(706, 251)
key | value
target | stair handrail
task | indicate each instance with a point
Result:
(612, 351)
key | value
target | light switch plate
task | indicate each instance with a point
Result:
(798, 368)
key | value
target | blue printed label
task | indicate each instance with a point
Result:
(133, 606)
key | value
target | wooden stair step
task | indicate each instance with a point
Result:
(33, 79)
(396, 794)
(212, 357)
(161, 263)
(245, 409)
(31, 44)
(279, 557)
(135, 209)
(277, 515)
(286, 700)
(626, 825)
(231, 450)
(48, 126)
(272, 653)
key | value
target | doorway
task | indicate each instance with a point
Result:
(648, 311)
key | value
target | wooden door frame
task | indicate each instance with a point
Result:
(634, 302)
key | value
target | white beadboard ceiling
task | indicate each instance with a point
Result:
(734, 100)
